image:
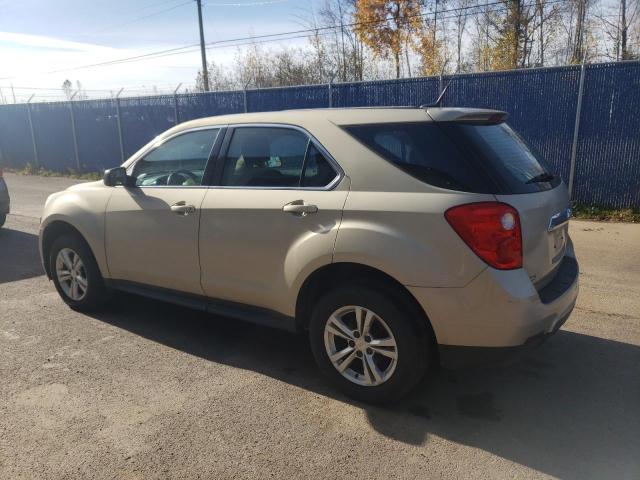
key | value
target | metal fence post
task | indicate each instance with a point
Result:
(119, 124)
(331, 93)
(245, 96)
(175, 103)
(576, 129)
(33, 133)
(73, 131)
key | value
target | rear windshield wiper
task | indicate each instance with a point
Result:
(543, 177)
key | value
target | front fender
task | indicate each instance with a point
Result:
(84, 210)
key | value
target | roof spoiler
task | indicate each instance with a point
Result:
(476, 116)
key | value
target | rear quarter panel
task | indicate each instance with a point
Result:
(407, 236)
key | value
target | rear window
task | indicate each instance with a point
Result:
(465, 157)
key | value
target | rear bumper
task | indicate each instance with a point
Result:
(456, 356)
(499, 314)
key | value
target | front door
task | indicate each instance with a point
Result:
(276, 211)
(152, 227)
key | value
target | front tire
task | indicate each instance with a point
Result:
(368, 344)
(75, 273)
(3, 218)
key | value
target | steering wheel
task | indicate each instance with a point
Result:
(175, 177)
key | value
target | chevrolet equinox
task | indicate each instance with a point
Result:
(396, 237)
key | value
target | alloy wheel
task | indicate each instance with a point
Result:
(360, 345)
(71, 274)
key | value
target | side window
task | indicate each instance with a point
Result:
(180, 161)
(425, 151)
(318, 172)
(265, 157)
(274, 157)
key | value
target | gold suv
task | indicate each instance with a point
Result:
(396, 237)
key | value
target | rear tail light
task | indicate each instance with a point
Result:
(491, 230)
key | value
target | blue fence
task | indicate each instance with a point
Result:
(542, 104)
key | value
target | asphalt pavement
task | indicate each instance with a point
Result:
(150, 390)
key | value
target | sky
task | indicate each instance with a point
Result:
(44, 42)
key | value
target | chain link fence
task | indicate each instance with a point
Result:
(585, 120)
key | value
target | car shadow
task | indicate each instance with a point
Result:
(570, 409)
(19, 256)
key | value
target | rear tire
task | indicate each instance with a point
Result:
(373, 375)
(75, 273)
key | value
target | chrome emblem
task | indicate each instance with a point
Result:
(559, 219)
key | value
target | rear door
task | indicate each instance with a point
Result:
(275, 211)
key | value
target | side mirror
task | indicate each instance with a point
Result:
(116, 176)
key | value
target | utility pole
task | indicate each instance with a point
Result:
(205, 73)
(36, 158)
(344, 56)
(119, 118)
(623, 22)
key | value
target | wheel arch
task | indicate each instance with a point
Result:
(331, 275)
(55, 229)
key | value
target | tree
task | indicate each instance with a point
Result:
(617, 20)
(511, 40)
(545, 29)
(219, 78)
(343, 51)
(81, 94)
(460, 20)
(578, 30)
(387, 26)
(67, 88)
(431, 46)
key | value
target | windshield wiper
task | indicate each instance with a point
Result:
(543, 177)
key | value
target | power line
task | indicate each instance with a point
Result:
(282, 36)
(138, 19)
(251, 4)
(250, 40)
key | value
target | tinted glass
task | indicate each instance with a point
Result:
(468, 157)
(318, 171)
(265, 157)
(274, 157)
(515, 164)
(180, 161)
(423, 151)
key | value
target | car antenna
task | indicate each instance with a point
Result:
(438, 101)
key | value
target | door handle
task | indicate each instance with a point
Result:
(299, 208)
(181, 208)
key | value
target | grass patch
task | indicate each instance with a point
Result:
(585, 212)
(45, 172)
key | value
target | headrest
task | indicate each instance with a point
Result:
(255, 145)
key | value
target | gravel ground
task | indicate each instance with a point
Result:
(149, 390)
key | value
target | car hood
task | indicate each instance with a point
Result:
(86, 185)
